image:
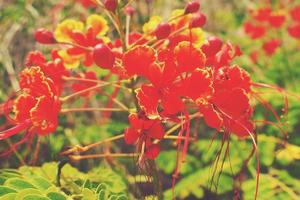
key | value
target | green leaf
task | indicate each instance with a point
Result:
(88, 194)
(6, 190)
(18, 184)
(35, 197)
(101, 186)
(266, 145)
(10, 196)
(113, 197)
(40, 182)
(101, 195)
(87, 184)
(21, 194)
(56, 196)
(122, 197)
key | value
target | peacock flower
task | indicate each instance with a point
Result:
(65, 30)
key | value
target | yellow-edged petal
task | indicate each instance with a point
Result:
(64, 30)
(198, 36)
(151, 25)
(70, 62)
(98, 23)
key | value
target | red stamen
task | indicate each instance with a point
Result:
(15, 130)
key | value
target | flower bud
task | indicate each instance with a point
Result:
(212, 47)
(103, 56)
(44, 36)
(192, 7)
(129, 10)
(162, 31)
(198, 20)
(111, 5)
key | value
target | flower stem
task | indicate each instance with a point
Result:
(86, 148)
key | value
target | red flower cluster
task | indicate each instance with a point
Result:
(265, 21)
(294, 29)
(181, 75)
(37, 106)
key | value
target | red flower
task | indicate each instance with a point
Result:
(254, 31)
(295, 13)
(262, 14)
(228, 78)
(271, 46)
(22, 106)
(44, 115)
(88, 3)
(138, 60)
(37, 108)
(276, 20)
(230, 110)
(34, 58)
(34, 82)
(294, 30)
(188, 58)
(55, 69)
(198, 86)
(143, 132)
(228, 105)
(211, 117)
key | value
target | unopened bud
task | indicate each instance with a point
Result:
(44, 36)
(162, 31)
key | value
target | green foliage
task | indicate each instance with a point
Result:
(39, 183)
(277, 184)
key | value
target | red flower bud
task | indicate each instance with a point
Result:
(198, 20)
(103, 56)
(162, 31)
(212, 46)
(44, 36)
(129, 10)
(111, 5)
(192, 7)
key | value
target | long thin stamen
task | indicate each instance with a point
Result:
(255, 147)
(175, 137)
(76, 45)
(105, 155)
(67, 110)
(116, 84)
(14, 130)
(66, 98)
